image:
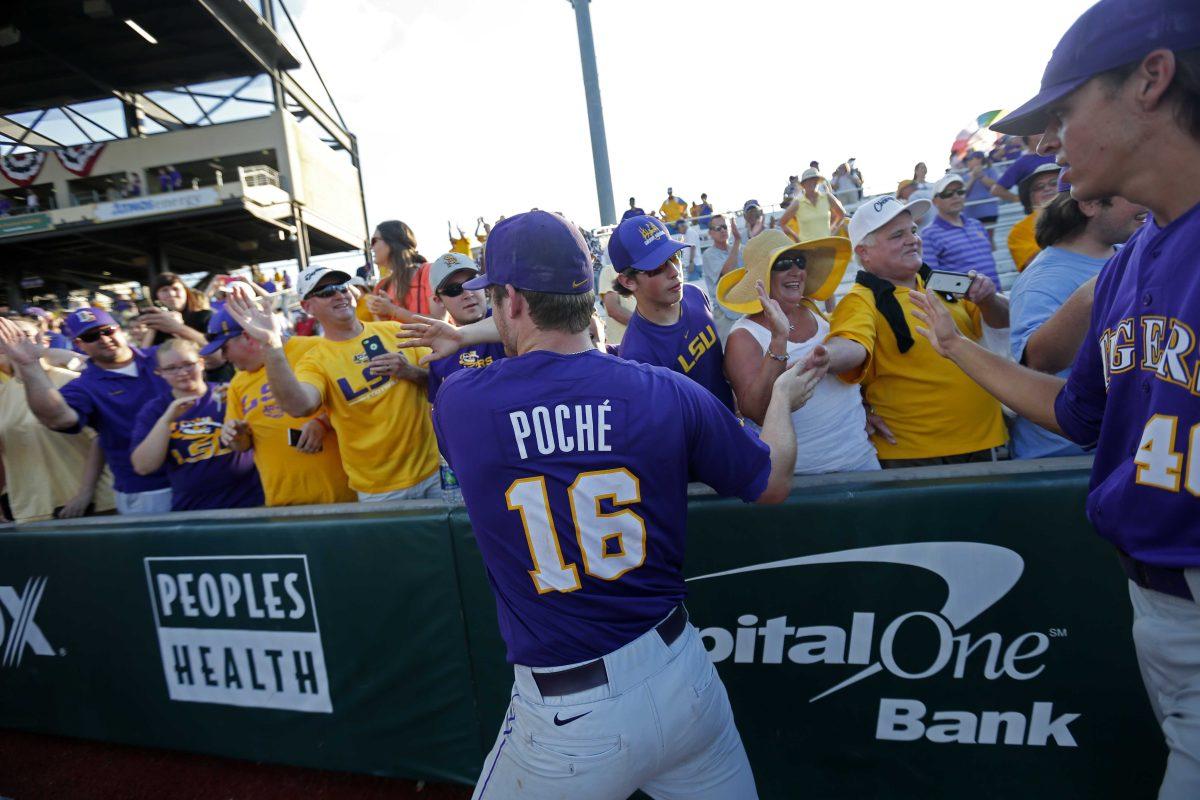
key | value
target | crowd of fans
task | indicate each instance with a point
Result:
(207, 398)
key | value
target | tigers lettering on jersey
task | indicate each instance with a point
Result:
(1168, 350)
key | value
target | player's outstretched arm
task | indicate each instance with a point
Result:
(443, 338)
(1031, 394)
(792, 390)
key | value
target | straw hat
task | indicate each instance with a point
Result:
(827, 259)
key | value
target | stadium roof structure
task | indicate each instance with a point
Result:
(70, 51)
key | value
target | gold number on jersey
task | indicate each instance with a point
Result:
(610, 544)
(1159, 464)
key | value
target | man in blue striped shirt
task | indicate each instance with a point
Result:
(954, 241)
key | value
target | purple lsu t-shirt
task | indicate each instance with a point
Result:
(203, 472)
(574, 470)
(689, 347)
(474, 356)
(109, 402)
(1135, 390)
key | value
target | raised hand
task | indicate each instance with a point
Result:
(258, 323)
(162, 320)
(777, 321)
(800, 379)
(17, 345)
(936, 323)
(180, 406)
(441, 337)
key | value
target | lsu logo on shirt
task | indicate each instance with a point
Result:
(264, 401)
(372, 386)
(196, 439)
(471, 360)
(697, 347)
(1168, 350)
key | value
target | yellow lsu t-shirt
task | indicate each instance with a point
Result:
(931, 406)
(385, 432)
(289, 477)
(672, 211)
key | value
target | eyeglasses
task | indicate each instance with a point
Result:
(946, 195)
(718, 228)
(182, 366)
(329, 290)
(786, 263)
(95, 333)
(451, 290)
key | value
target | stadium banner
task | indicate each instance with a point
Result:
(25, 223)
(332, 642)
(929, 638)
(165, 203)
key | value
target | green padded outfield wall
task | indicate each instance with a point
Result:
(933, 638)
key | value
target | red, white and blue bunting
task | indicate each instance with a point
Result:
(23, 168)
(79, 159)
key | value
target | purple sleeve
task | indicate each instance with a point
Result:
(1079, 407)
(80, 401)
(721, 452)
(1010, 175)
(145, 421)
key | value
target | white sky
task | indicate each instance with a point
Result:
(468, 108)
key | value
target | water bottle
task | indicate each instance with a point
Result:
(451, 493)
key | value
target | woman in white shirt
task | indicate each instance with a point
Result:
(778, 288)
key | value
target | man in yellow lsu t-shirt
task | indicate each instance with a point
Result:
(936, 415)
(374, 394)
(297, 458)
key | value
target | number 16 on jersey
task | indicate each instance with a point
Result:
(610, 543)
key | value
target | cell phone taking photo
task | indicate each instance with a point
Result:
(294, 437)
(948, 282)
(373, 346)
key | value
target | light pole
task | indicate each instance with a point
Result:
(591, 89)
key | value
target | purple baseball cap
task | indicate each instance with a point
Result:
(643, 243)
(221, 328)
(539, 252)
(82, 320)
(1108, 35)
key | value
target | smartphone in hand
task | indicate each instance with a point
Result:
(373, 346)
(948, 282)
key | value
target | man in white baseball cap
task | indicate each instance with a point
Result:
(935, 415)
(447, 274)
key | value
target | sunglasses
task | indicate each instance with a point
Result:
(952, 193)
(182, 366)
(784, 264)
(95, 333)
(329, 290)
(718, 228)
(451, 290)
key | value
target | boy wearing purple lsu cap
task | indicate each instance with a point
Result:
(590, 601)
(672, 325)
(117, 382)
(1120, 110)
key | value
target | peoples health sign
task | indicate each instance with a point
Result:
(157, 204)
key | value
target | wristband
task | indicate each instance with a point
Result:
(782, 359)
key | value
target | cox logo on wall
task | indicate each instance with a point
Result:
(911, 643)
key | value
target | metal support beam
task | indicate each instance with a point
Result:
(591, 90)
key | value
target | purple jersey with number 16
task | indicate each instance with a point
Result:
(574, 470)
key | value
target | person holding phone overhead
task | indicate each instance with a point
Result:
(375, 397)
(935, 413)
(181, 429)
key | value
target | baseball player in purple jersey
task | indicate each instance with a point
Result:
(1120, 110)
(673, 324)
(579, 507)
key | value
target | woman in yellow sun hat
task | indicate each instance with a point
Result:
(778, 288)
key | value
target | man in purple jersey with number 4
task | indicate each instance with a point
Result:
(579, 507)
(1120, 110)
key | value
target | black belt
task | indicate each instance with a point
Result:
(1168, 580)
(593, 674)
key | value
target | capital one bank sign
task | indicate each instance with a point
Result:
(977, 577)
